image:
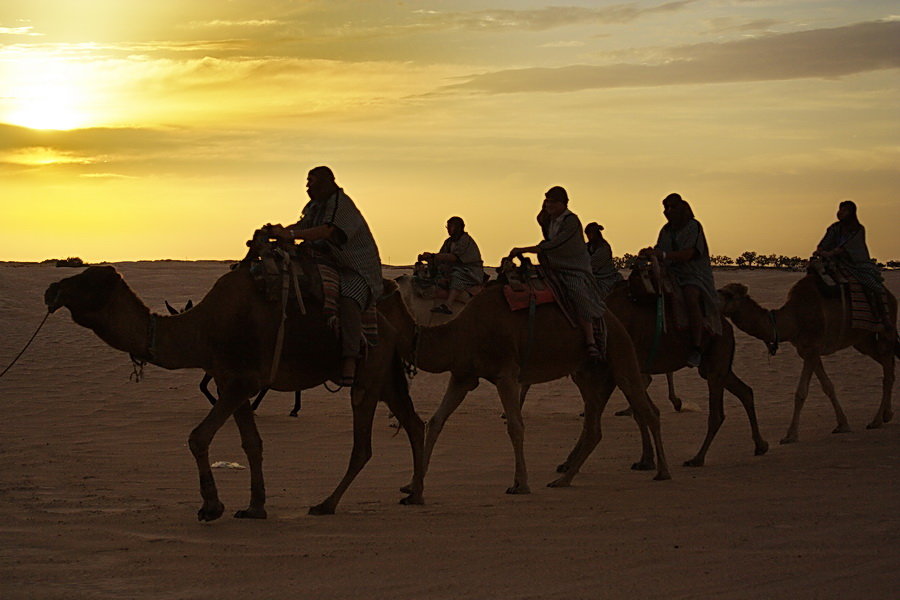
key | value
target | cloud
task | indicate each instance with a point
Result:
(822, 53)
(18, 31)
(550, 17)
(222, 23)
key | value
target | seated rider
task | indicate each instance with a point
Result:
(602, 266)
(332, 223)
(564, 251)
(682, 247)
(845, 243)
(460, 260)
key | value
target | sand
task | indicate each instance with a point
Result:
(99, 489)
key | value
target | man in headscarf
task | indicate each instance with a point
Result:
(845, 243)
(564, 251)
(602, 266)
(682, 247)
(460, 258)
(335, 227)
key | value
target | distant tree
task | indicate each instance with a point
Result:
(893, 264)
(720, 260)
(747, 259)
(624, 262)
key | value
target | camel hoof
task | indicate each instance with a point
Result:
(210, 513)
(625, 412)
(293, 414)
(694, 462)
(251, 513)
(406, 489)
(321, 509)
(761, 449)
(563, 468)
(788, 440)
(872, 425)
(560, 483)
(644, 465)
(677, 404)
(413, 500)
(663, 476)
(846, 428)
(518, 489)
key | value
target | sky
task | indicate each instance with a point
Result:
(164, 129)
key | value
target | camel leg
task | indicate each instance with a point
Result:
(363, 403)
(297, 403)
(456, 391)
(199, 441)
(799, 398)
(509, 392)
(647, 416)
(259, 398)
(819, 369)
(402, 408)
(744, 393)
(886, 358)
(595, 395)
(204, 389)
(673, 398)
(252, 444)
(713, 421)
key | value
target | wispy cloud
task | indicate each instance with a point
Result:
(546, 18)
(28, 30)
(223, 23)
(806, 54)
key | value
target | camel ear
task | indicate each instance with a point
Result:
(189, 305)
(170, 308)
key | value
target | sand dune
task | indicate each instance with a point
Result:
(100, 490)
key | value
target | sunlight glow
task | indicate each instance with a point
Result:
(44, 92)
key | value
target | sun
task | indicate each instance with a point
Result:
(44, 94)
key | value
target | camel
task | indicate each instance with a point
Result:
(207, 378)
(488, 341)
(816, 326)
(671, 355)
(231, 335)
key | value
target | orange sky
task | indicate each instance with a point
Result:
(170, 129)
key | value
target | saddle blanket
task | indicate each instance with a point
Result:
(331, 290)
(862, 316)
(522, 300)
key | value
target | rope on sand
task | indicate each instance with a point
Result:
(26, 345)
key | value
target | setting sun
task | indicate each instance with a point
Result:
(44, 93)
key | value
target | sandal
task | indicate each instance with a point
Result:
(442, 309)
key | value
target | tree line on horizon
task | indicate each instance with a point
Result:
(753, 260)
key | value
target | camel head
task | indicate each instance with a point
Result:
(730, 298)
(85, 293)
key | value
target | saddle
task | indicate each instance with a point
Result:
(429, 282)
(833, 280)
(647, 283)
(279, 267)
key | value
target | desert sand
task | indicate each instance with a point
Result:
(99, 490)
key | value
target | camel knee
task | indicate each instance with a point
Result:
(199, 446)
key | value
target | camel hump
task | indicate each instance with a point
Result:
(733, 290)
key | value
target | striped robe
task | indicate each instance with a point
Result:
(469, 270)
(563, 250)
(697, 271)
(352, 248)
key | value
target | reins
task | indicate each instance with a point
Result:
(773, 346)
(26, 345)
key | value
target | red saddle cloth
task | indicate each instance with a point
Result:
(519, 300)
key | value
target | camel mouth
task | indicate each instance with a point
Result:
(51, 297)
